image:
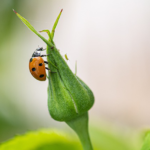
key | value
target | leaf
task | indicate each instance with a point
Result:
(49, 34)
(146, 145)
(106, 137)
(55, 24)
(32, 29)
(42, 140)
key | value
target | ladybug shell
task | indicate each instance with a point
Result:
(37, 68)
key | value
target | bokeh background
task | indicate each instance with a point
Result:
(110, 40)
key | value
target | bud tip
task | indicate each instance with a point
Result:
(14, 11)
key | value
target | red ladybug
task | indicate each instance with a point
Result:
(37, 65)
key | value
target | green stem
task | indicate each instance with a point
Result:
(80, 126)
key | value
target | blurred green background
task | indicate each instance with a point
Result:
(109, 40)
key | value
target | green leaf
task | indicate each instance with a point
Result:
(42, 140)
(49, 34)
(55, 24)
(32, 29)
(146, 145)
(103, 138)
(107, 137)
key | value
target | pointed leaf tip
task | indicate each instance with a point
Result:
(43, 31)
(55, 24)
(14, 11)
(32, 29)
(47, 31)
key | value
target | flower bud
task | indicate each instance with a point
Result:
(68, 95)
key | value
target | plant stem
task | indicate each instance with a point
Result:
(80, 126)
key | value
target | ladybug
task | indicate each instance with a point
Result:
(37, 65)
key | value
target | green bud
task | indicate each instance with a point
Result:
(68, 95)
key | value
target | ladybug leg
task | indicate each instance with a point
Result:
(49, 70)
(44, 55)
(46, 62)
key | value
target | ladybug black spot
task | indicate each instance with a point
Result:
(40, 64)
(33, 69)
(31, 60)
(42, 75)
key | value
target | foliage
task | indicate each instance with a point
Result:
(42, 140)
(146, 144)
(102, 139)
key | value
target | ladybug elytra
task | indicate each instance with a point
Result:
(37, 65)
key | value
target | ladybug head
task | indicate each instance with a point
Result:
(36, 54)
